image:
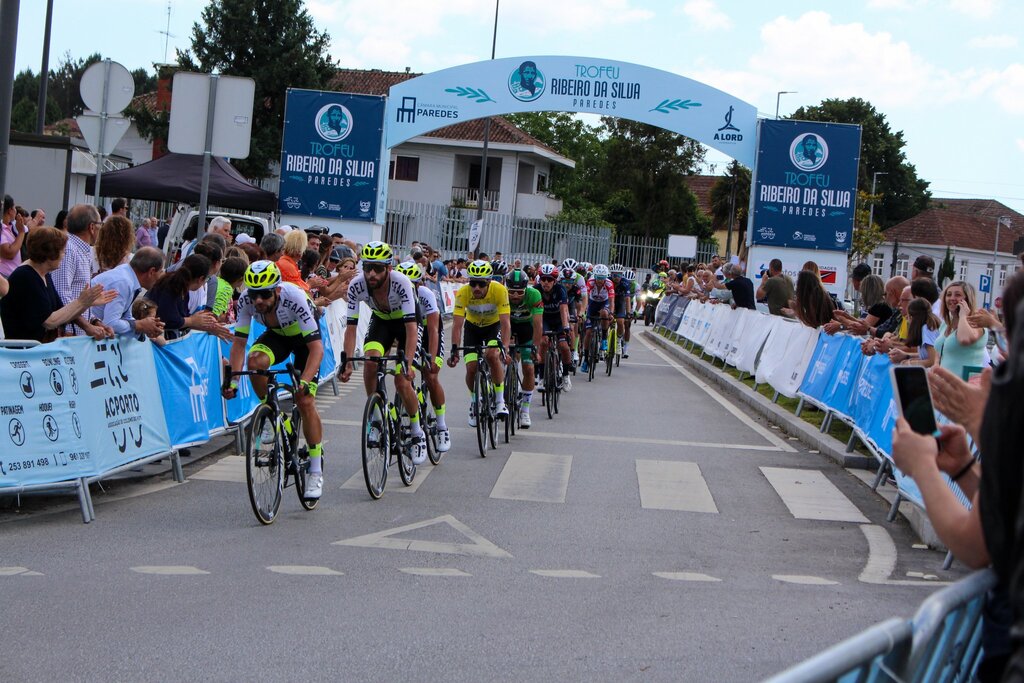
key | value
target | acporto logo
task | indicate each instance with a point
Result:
(729, 132)
(526, 83)
(293, 202)
(333, 122)
(808, 152)
(766, 233)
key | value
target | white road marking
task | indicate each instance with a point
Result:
(303, 570)
(810, 495)
(13, 571)
(537, 477)
(654, 442)
(357, 480)
(170, 570)
(230, 468)
(433, 571)
(669, 485)
(480, 546)
(722, 400)
(342, 423)
(882, 560)
(804, 580)
(687, 576)
(564, 573)
(32, 573)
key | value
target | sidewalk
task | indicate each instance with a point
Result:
(859, 465)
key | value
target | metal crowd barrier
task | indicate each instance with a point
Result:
(941, 644)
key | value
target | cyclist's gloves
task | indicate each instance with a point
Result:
(309, 387)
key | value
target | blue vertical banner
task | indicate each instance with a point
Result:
(331, 155)
(805, 185)
(189, 374)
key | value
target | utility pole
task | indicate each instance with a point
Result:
(44, 70)
(778, 96)
(874, 182)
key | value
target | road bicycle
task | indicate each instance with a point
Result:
(428, 418)
(386, 430)
(593, 351)
(514, 390)
(276, 453)
(485, 406)
(552, 375)
(612, 355)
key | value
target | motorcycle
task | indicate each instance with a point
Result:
(650, 298)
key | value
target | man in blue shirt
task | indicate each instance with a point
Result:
(128, 280)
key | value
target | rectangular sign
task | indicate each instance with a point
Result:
(331, 155)
(831, 264)
(805, 185)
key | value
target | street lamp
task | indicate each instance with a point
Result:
(874, 182)
(778, 96)
(995, 255)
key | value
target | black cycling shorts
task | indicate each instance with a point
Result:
(278, 347)
(383, 334)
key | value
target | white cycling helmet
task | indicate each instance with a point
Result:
(601, 271)
(549, 270)
(569, 263)
(630, 275)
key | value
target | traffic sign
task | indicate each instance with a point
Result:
(89, 123)
(120, 87)
(985, 283)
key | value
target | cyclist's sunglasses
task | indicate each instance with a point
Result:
(374, 267)
(261, 294)
(481, 284)
(547, 279)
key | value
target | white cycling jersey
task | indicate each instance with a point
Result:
(401, 302)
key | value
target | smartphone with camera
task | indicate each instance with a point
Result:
(914, 398)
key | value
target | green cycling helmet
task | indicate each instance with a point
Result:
(377, 252)
(262, 275)
(480, 269)
(411, 270)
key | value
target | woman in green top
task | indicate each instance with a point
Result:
(960, 345)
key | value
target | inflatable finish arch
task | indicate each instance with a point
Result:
(572, 84)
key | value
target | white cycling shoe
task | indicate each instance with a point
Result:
(444, 441)
(566, 384)
(524, 417)
(472, 415)
(419, 450)
(314, 485)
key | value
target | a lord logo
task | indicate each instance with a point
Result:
(333, 122)
(723, 133)
(808, 152)
(526, 82)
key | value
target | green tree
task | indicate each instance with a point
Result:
(867, 236)
(274, 42)
(882, 151)
(731, 193)
(644, 173)
(947, 271)
(65, 81)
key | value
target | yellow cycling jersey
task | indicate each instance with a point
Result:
(485, 310)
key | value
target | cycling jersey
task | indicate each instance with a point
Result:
(573, 289)
(623, 289)
(601, 292)
(294, 314)
(553, 302)
(484, 311)
(428, 305)
(401, 301)
(530, 306)
(427, 301)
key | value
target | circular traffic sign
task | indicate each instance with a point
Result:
(120, 90)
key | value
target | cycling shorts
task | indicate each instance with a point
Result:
(556, 327)
(278, 347)
(382, 335)
(488, 335)
(522, 333)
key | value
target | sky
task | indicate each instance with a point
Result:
(949, 74)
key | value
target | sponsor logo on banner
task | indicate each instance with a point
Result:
(293, 202)
(197, 390)
(804, 237)
(364, 208)
(333, 122)
(526, 82)
(808, 152)
(828, 276)
(766, 233)
(841, 236)
(729, 132)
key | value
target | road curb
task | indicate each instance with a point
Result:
(790, 424)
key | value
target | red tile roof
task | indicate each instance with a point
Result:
(964, 223)
(701, 186)
(66, 127)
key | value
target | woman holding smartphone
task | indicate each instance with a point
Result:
(961, 345)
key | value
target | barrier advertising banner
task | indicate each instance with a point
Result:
(77, 408)
(331, 156)
(189, 372)
(805, 185)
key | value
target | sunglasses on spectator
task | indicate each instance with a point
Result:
(374, 267)
(479, 283)
(262, 294)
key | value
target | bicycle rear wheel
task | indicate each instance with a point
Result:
(549, 386)
(264, 471)
(403, 444)
(511, 399)
(481, 386)
(592, 350)
(300, 460)
(609, 356)
(428, 419)
(376, 445)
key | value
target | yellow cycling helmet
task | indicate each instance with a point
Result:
(411, 270)
(480, 269)
(377, 252)
(262, 275)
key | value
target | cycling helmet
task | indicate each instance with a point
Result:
(479, 269)
(411, 270)
(568, 273)
(570, 263)
(499, 269)
(601, 271)
(262, 275)
(517, 280)
(377, 252)
(617, 269)
(630, 275)
(663, 274)
(663, 264)
(549, 270)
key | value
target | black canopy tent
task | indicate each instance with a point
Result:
(177, 178)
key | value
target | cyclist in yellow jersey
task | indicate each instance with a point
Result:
(482, 312)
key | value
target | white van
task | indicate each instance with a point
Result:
(184, 226)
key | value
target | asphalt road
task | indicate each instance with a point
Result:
(648, 532)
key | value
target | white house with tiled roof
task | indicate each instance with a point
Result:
(968, 228)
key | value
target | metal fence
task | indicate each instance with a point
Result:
(446, 228)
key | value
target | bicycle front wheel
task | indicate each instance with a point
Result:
(481, 387)
(376, 445)
(406, 467)
(609, 357)
(264, 471)
(594, 345)
(428, 419)
(300, 460)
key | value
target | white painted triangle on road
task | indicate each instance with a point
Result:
(480, 546)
